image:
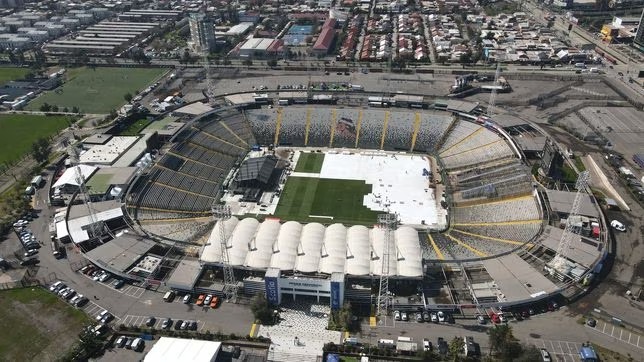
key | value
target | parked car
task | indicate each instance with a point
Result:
(56, 286)
(120, 342)
(591, 322)
(397, 315)
(101, 315)
(404, 317)
(618, 225)
(150, 321)
(200, 299)
(30, 261)
(206, 301)
(81, 301)
(118, 283)
(31, 252)
(545, 355)
(177, 324)
(167, 323)
(434, 317)
(128, 343)
(185, 325)
(441, 316)
(442, 346)
(480, 319)
(427, 345)
(186, 299)
(426, 316)
(214, 302)
(193, 326)
(104, 277)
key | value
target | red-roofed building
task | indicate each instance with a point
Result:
(325, 39)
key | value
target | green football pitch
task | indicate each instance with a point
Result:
(97, 90)
(325, 200)
(310, 162)
(20, 131)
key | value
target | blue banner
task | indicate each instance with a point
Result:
(336, 301)
(272, 292)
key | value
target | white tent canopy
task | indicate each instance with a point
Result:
(69, 176)
(313, 248)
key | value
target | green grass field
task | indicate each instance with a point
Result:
(135, 128)
(310, 162)
(97, 90)
(37, 325)
(340, 199)
(9, 74)
(19, 131)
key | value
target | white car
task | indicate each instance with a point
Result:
(441, 316)
(55, 286)
(434, 317)
(396, 315)
(618, 225)
(545, 356)
(404, 317)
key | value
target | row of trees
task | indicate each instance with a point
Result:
(46, 107)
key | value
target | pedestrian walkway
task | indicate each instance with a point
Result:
(301, 332)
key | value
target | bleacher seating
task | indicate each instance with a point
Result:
(524, 208)
(486, 246)
(517, 232)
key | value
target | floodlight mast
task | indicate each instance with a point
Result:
(560, 262)
(222, 213)
(387, 222)
(96, 227)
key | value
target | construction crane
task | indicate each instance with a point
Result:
(222, 213)
(387, 223)
(96, 228)
(492, 103)
(559, 264)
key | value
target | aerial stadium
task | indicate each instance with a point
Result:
(305, 186)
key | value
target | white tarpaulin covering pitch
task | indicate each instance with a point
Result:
(397, 182)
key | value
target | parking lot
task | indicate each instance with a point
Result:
(618, 333)
(559, 350)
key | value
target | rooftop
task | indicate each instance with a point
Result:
(185, 274)
(561, 202)
(167, 126)
(517, 279)
(168, 349)
(120, 253)
(104, 178)
(108, 152)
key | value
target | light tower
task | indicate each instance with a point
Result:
(96, 227)
(560, 263)
(492, 103)
(386, 222)
(222, 214)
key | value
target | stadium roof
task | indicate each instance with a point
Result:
(168, 349)
(194, 109)
(101, 181)
(561, 202)
(314, 248)
(108, 153)
(516, 279)
(167, 126)
(582, 250)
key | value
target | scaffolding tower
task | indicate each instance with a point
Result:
(386, 222)
(96, 228)
(559, 263)
(492, 103)
(222, 213)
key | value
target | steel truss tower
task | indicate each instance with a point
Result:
(560, 263)
(222, 213)
(386, 222)
(96, 227)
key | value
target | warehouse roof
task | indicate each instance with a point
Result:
(257, 44)
(561, 202)
(314, 248)
(168, 349)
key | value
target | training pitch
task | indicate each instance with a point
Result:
(97, 90)
(9, 74)
(20, 131)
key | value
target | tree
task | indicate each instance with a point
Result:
(40, 149)
(128, 97)
(456, 348)
(503, 343)
(261, 309)
(65, 109)
(75, 109)
(342, 319)
(46, 107)
(113, 114)
(54, 108)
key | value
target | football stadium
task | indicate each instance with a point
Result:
(305, 186)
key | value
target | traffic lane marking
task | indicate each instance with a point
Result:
(617, 336)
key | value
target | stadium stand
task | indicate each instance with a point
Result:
(520, 232)
(524, 208)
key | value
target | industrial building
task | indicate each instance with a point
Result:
(202, 33)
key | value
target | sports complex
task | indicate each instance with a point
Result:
(305, 185)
